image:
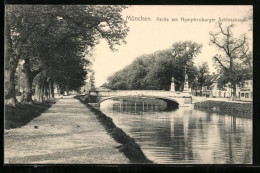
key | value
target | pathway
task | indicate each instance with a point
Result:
(67, 133)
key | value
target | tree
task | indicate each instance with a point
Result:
(249, 17)
(159, 71)
(15, 38)
(92, 80)
(118, 80)
(203, 72)
(155, 71)
(41, 34)
(136, 73)
(183, 54)
(230, 61)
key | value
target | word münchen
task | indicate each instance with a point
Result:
(140, 18)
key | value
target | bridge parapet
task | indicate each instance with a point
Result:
(179, 97)
(138, 92)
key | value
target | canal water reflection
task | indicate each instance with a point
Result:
(185, 135)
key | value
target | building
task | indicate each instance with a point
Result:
(211, 88)
(244, 91)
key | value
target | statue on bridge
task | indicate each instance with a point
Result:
(172, 85)
(186, 82)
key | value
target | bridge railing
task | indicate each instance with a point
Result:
(179, 97)
(138, 93)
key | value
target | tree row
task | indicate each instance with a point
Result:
(50, 46)
(233, 62)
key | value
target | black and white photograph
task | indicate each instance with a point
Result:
(128, 84)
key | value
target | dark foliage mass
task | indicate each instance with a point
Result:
(155, 71)
(52, 43)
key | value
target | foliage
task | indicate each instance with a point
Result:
(203, 73)
(154, 71)
(54, 42)
(235, 62)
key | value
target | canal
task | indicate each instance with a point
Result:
(184, 135)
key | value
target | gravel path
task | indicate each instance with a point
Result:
(67, 133)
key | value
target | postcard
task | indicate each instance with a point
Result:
(128, 84)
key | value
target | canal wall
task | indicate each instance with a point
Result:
(236, 108)
(129, 147)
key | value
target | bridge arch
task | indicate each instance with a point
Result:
(171, 102)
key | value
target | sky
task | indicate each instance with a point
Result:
(146, 37)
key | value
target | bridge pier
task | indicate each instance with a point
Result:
(93, 99)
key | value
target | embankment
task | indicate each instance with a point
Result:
(234, 108)
(131, 149)
(23, 113)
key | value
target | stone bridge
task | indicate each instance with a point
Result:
(173, 99)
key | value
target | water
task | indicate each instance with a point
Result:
(185, 135)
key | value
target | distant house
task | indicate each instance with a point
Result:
(244, 91)
(211, 89)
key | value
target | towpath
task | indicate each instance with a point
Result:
(67, 133)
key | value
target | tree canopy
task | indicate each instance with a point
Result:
(235, 59)
(154, 71)
(53, 41)
(203, 73)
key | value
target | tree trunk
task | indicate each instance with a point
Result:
(52, 92)
(11, 62)
(42, 90)
(58, 90)
(51, 89)
(234, 91)
(61, 90)
(45, 90)
(68, 92)
(27, 92)
(10, 98)
(28, 80)
(37, 92)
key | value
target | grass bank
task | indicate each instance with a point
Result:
(23, 113)
(131, 149)
(238, 109)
